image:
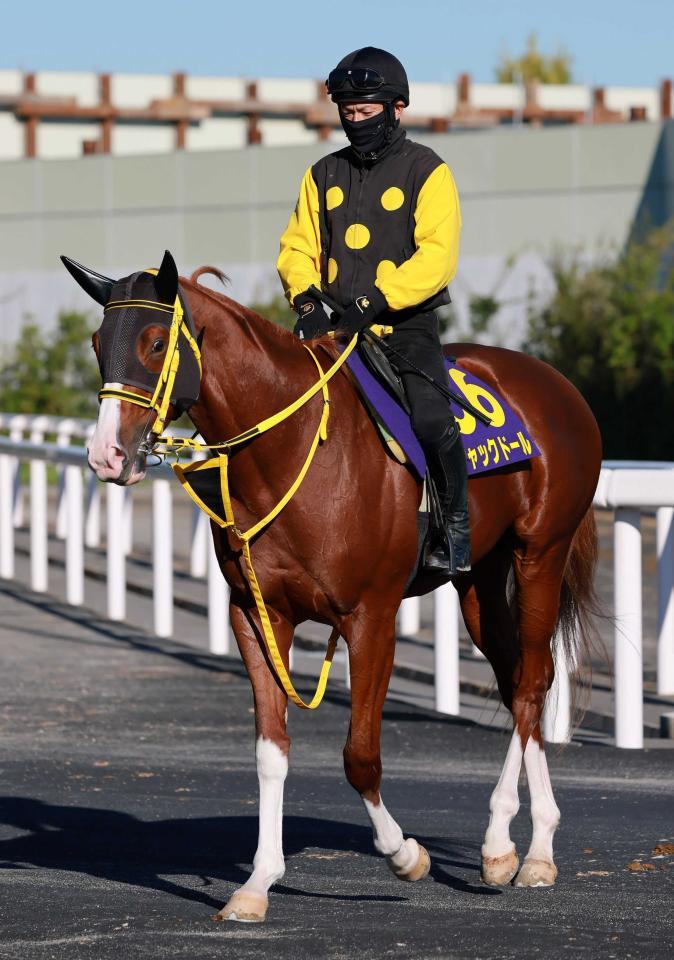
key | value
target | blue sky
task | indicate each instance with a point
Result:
(620, 42)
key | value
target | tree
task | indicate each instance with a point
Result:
(534, 65)
(610, 330)
(55, 374)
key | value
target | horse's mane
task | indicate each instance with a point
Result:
(233, 306)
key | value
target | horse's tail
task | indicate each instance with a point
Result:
(579, 610)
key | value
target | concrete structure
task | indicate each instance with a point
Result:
(57, 114)
(526, 193)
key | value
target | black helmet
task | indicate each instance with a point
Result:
(369, 74)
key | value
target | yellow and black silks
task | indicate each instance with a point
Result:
(394, 224)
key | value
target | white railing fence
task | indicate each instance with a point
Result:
(624, 488)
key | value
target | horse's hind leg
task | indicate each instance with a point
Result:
(489, 622)
(249, 903)
(371, 646)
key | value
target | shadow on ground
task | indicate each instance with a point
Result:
(117, 846)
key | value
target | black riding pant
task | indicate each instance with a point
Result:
(418, 339)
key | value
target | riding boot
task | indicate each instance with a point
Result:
(447, 462)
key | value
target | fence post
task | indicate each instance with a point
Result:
(116, 559)
(18, 425)
(446, 649)
(128, 520)
(38, 525)
(92, 526)
(218, 605)
(63, 437)
(7, 516)
(409, 618)
(665, 549)
(201, 535)
(162, 556)
(73, 487)
(629, 721)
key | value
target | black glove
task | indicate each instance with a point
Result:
(362, 312)
(312, 320)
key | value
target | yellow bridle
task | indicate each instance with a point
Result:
(160, 400)
(159, 403)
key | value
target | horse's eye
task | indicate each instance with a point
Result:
(158, 346)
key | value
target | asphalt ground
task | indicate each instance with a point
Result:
(128, 816)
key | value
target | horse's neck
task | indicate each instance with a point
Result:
(251, 368)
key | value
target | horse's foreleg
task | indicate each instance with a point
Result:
(250, 902)
(370, 661)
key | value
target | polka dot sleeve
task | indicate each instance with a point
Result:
(436, 236)
(299, 260)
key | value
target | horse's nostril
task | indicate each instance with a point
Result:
(116, 453)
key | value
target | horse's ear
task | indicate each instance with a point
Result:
(95, 284)
(166, 281)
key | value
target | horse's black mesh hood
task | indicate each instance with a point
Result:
(119, 333)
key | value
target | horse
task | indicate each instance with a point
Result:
(342, 549)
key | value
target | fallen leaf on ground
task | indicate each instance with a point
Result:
(594, 873)
(664, 850)
(588, 850)
(636, 866)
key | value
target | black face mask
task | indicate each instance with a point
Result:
(119, 333)
(371, 135)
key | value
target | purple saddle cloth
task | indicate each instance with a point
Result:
(506, 441)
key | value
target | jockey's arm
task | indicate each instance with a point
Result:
(436, 235)
(299, 260)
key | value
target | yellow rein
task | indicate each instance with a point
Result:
(159, 403)
(175, 443)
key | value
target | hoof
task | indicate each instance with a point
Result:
(536, 873)
(420, 869)
(499, 871)
(244, 906)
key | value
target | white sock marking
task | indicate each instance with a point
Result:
(504, 803)
(272, 770)
(388, 838)
(544, 811)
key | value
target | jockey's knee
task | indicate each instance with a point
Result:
(430, 426)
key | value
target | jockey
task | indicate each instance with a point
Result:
(376, 226)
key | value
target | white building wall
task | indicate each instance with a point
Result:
(131, 138)
(217, 133)
(564, 96)
(11, 83)
(83, 86)
(622, 98)
(138, 89)
(432, 99)
(61, 140)
(281, 133)
(11, 137)
(277, 90)
(215, 88)
(498, 96)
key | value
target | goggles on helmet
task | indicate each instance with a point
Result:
(359, 78)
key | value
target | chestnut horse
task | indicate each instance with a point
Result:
(341, 551)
